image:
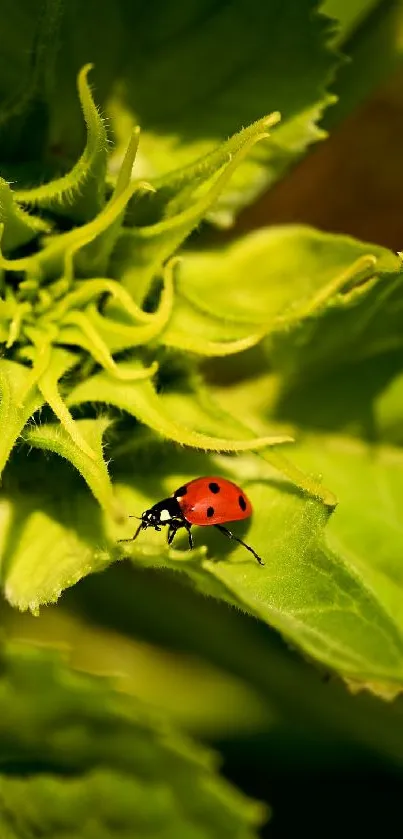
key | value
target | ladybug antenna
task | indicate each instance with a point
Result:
(139, 518)
(231, 536)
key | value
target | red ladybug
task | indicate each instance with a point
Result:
(204, 501)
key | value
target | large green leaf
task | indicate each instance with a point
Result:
(362, 537)
(316, 600)
(29, 44)
(319, 602)
(365, 532)
(172, 69)
(85, 762)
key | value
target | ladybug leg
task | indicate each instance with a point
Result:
(231, 536)
(174, 527)
(141, 526)
(190, 537)
(171, 533)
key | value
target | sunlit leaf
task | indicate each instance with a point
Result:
(19, 226)
(322, 298)
(316, 599)
(49, 539)
(140, 399)
(14, 411)
(365, 533)
(141, 251)
(88, 461)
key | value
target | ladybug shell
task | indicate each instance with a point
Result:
(212, 500)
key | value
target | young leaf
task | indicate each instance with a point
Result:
(102, 335)
(48, 386)
(82, 251)
(18, 402)
(79, 194)
(141, 251)
(140, 399)
(87, 762)
(88, 461)
(320, 297)
(52, 533)
(198, 332)
(19, 226)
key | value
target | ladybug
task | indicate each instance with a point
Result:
(203, 501)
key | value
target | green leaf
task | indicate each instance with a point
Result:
(101, 334)
(19, 226)
(370, 37)
(83, 251)
(88, 461)
(197, 696)
(194, 331)
(140, 399)
(349, 14)
(364, 533)
(307, 708)
(362, 538)
(316, 600)
(24, 121)
(79, 194)
(88, 762)
(282, 63)
(322, 298)
(388, 412)
(52, 534)
(142, 250)
(202, 411)
(18, 402)
(48, 385)
(319, 601)
(217, 89)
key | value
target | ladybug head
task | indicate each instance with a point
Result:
(161, 513)
(151, 518)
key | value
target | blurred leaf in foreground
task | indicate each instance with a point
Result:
(77, 759)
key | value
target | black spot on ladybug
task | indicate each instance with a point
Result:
(210, 512)
(242, 502)
(213, 487)
(180, 492)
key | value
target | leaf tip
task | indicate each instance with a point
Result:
(272, 119)
(83, 73)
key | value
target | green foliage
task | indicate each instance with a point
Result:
(140, 777)
(140, 349)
